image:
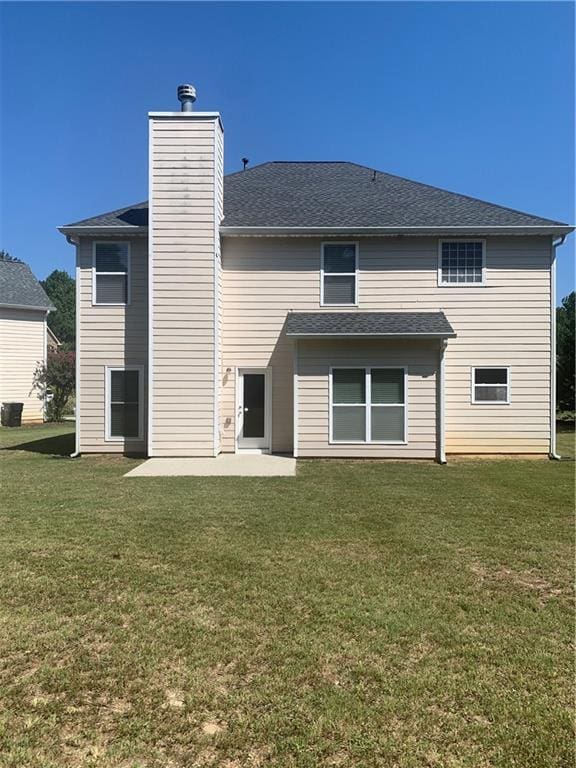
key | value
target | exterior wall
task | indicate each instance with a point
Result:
(185, 213)
(22, 346)
(504, 322)
(314, 361)
(109, 336)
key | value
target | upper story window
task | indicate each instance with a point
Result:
(339, 274)
(111, 273)
(491, 385)
(461, 262)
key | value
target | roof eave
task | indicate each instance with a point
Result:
(95, 230)
(446, 231)
(6, 305)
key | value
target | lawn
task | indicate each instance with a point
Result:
(399, 615)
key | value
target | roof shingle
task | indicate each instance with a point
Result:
(336, 194)
(400, 324)
(19, 287)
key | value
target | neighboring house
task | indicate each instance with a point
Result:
(314, 308)
(52, 341)
(24, 309)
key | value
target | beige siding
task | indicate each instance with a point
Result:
(109, 336)
(314, 361)
(185, 207)
(22, 347)
(505, 322)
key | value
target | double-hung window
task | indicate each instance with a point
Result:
(111, 283)
(491, 385)
(461, 262)
(339, 278)
(124, 406)
(368, 405)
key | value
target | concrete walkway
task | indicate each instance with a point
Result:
(224, 465)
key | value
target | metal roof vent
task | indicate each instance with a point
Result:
(186, 96)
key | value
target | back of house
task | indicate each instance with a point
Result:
(320, 309)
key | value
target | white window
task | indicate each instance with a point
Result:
(491, 385)
(111, 278)
(124, 403)
(339, 274)
(368, 405)
(461, 262)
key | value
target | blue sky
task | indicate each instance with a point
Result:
(473, 97)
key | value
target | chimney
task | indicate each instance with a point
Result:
(185, 211)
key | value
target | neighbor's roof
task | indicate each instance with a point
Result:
(400, 324)
(335, 195)
(19, 287)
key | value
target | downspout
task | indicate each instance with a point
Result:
(555, 244)
(441, 408)
(76, 453)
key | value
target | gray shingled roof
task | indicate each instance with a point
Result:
(400, 324)
(336, 194)
(19, 287)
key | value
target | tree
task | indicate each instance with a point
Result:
(565, 342)
(5, 256)
(61, 290)
(56, 379)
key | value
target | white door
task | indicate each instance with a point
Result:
(253, 409)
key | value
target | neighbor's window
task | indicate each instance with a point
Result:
(339, 274)
(461, 263)
(368, 405)
(111, 267)
(491, 385)
(124, 403)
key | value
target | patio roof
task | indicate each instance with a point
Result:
(361, 324)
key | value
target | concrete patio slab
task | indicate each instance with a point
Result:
(224, 465)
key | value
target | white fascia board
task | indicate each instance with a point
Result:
(373, 231)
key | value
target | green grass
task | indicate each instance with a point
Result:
(362, 614)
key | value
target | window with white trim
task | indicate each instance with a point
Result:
(368, 405)
(491, 385)
(124, 403)
(461, 262)
(111, 273)
(339, 274)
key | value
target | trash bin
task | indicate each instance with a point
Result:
(12, 414)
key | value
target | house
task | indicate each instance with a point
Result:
(24, 309)
(52, 340)
(311, 308)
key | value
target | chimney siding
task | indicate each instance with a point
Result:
(186, 181)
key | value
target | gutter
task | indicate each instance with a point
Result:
(536, 229)
(441, 405)
(553, 455)
(28, 306)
